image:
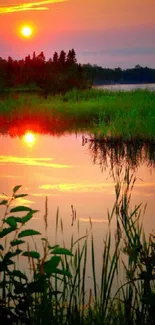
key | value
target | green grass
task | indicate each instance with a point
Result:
(53, 291)
(122, 115)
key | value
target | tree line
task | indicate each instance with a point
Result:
(56, 75)
(99, 75)
(62, 73)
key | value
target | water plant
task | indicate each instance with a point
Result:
(28, 298)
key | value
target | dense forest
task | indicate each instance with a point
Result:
(57, 75)
(62, 73)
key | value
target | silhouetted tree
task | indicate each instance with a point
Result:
(41, 57)
(34, 56)
(71, 57)
(62, 58)
(55, 58)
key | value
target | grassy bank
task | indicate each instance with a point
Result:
(53, 291)
(123, 115)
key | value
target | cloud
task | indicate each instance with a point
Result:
(22, 201)
(19, 201)
(5, 197)
(77, 187)
(146, 188)
(35, 5)
(43, 162)
(43, 194)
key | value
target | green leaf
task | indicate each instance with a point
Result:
(50, 266)
(17, 242)
(20, 208)
(1, 248)
(4, 265)
(18, 219)
(16, 188)
(17, 252)
(35, 286)
(6, 231)
(63, 272)
(28, 216)
(11, 221)
(53, 247)
(62, 251)
(28, 232)
(4, 202)
(20, 195)
(32, 254)
(12, 254)
(19, 274)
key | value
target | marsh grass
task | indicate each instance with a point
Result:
(54, 289)
(123, 115)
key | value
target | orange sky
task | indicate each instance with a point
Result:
(106, 32)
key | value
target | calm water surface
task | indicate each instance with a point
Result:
(127, 87)
(70, 173)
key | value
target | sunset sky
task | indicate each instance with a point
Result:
(109, 33)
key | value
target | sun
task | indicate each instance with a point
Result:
(26, 31)
(29, 138)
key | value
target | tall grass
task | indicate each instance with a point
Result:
(53, 290)
(125, 115)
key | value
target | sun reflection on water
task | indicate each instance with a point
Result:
(29, 138)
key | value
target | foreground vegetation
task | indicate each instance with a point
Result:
(53, 290)
(119, 115)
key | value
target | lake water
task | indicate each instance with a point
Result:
(128, 87)
(69, 172)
